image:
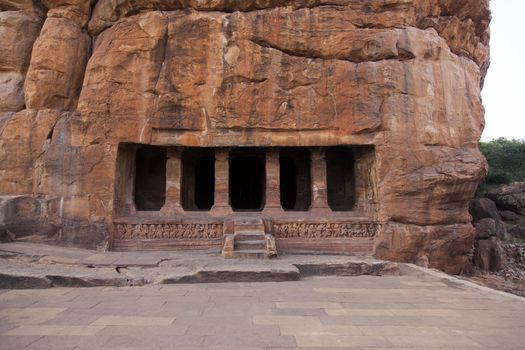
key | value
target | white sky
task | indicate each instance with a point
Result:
(504, 90)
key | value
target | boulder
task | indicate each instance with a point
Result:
(481, 208)
(510, 197)
(508, 215)
(488, 254)
(501, 230)
(518, 231)
(486, 228)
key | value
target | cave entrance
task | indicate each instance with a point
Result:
(247, 179)
(198, 179)
(340, 177)
(295, 179)
(150, 178)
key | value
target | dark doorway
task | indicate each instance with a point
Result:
(247, 179)
(340, 178)
(295, 180)
(150, 178)
(198, 179)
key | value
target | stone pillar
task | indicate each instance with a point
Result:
(173, 182)
(319, 188)
(222, 178)
(273, 194)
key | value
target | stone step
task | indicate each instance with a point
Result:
(256, 227)
(249, 236)
(250, 254)
(248, 221)
(254, 224)
(250, 245)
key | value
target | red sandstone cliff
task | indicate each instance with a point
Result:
(403, 75)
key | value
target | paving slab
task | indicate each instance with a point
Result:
(424, 310)
(31, 265)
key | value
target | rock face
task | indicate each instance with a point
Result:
(18, 31)
(401, 76)
(54, 81)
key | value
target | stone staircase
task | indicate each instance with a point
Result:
(249, 241)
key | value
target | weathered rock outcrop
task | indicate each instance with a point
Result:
(488, 254)
(54, 81)
(18, 31)
(401, 75)
(486, 228)
(511, 197)
(482, 208)
(25, 137)
(498, 230)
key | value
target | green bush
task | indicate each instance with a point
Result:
(506, 160)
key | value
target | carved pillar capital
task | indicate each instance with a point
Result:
(318, 154)
(222, 154)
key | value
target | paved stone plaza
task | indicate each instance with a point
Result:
(416, 310)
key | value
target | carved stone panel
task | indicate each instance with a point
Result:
(326, 230)
(168, 231)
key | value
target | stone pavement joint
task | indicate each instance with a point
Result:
(133, 321)
(55, 330)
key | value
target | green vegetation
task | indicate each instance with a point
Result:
(506, 160)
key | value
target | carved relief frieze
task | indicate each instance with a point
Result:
(168, 231)
(326, 230)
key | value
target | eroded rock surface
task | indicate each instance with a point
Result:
(401, 75)
(511, 197)
(481, 208)
(499, 232)
(53, 81)
(18, 31)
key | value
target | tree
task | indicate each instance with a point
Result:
(506, 160)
